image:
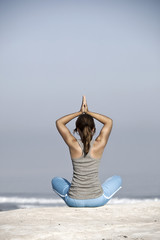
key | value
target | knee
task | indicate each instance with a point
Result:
(59, 182)
(54, 181)
(118, 179)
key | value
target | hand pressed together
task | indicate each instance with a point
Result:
(84, 107)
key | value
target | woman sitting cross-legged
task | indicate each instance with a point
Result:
(85, 190)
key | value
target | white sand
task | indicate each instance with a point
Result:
(140, 221)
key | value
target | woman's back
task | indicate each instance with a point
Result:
(85, 182)
(85, 189)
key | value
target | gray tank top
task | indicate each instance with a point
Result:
(85, 182)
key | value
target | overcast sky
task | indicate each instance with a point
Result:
(52, 53)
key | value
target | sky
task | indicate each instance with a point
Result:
(52, 53)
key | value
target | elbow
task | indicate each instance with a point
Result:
(110, 122)
(57, 123)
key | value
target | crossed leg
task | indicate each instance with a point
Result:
(110, 186)
(60, 186)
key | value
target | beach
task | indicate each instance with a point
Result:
(138, 221)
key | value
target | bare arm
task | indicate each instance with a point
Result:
(107, 125)
(106, 129)
(63, 130)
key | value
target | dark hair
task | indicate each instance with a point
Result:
(85, 123)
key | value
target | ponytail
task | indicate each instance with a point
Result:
(85, 124)
(87, 137)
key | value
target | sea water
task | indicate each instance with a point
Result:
(11, 201)
(134, 189)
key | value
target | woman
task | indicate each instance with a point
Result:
(85, 189)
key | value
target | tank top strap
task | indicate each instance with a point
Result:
(80, 143)
(91, 144)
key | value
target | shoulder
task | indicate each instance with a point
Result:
(97, 149)
(75, 149)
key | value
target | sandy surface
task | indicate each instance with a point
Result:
(140, 221)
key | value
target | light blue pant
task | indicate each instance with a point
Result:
(110, 187)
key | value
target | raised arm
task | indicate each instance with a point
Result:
(107, 125)
(63, 130)
(106, 129)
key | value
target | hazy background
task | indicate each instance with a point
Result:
(52, 53)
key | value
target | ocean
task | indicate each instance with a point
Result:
(134, 189)
(12, 201)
